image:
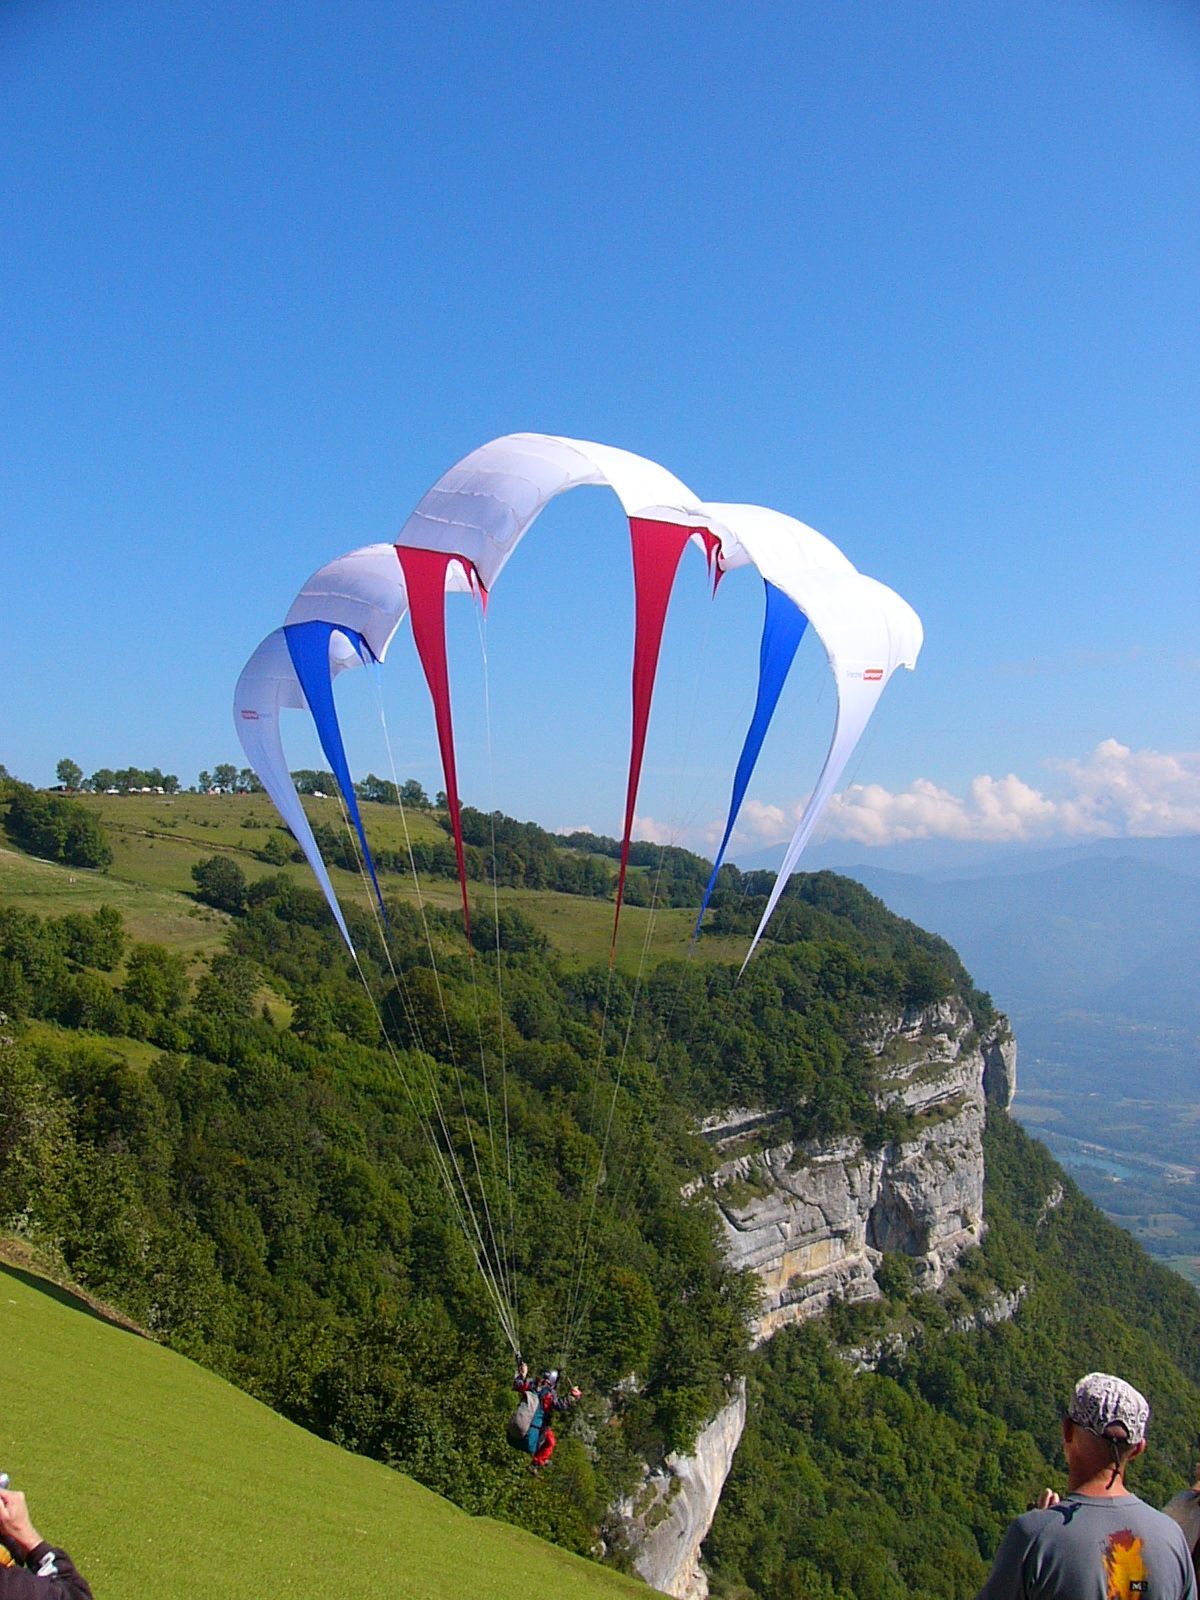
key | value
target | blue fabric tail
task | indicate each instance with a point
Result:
(308, 646)
(783, 628)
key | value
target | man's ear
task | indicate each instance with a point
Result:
(1136, 1450)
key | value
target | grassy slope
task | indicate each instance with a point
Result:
(157, 839)
(162, 1479)
(163, 915)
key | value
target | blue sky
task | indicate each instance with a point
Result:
(922, 275)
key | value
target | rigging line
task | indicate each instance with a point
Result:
(481, 624)
(633, 1189)
(574, 1325)
(573, 1298)
(572, 1314)
(481, 1259)
(630, 1182)
(496, 1257)
(487, 1210)
(474, 1245)
(577, 1265)
(634, 1178)
(575, 1328)
(429, 1071)
(497, 1239)
(423, 1119)
(424, 1124)
(501, 1250)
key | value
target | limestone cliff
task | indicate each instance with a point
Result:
(667, 1520)
(812, 1221)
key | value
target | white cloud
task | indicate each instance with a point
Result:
(653, 832)
(757, 824)
(1113, 792)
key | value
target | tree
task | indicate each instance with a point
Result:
(170, 783)
(381, 789)
(308, 781)
(91, 941)
(204, 782)
(69, 773)
(624, 1321)
(229, 988)
(156, 979)
(225, 776)
(312, 1017)
(220, 882)
(277, 852)
(412, 794)
(102, 780)
(248, 782)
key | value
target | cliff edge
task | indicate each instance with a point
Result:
(812, 1221)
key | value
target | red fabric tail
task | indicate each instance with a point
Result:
(712, 552)
(657, 548)
(425, 579)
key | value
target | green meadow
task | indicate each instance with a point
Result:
(164, 915)
(158, 839)
(163, 1480)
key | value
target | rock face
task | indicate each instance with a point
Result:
(999, 1050)
(669, 1517)
(812, 1221)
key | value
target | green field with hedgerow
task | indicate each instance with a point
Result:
(157, 840)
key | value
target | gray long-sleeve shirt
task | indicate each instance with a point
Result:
(1092, 1547)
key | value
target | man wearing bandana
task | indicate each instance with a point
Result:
(1099, 1542)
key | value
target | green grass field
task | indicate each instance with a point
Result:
(157, 839)
(163, 1480)
(164, 915)
(137, 1052)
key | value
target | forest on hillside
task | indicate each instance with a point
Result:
(234, 1153)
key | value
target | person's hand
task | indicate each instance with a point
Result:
(576, 1393)
(15, 1526)
(1045, 1500)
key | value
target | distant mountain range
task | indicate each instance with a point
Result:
(1102, 933)
(1109, 928)
(944, 859)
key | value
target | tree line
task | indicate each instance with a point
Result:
(227, 778)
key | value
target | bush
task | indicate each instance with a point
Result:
(221, 883)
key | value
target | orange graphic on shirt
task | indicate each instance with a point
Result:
(1124, 1567)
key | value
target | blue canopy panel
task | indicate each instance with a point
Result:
(308, 646)
(783, 628)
